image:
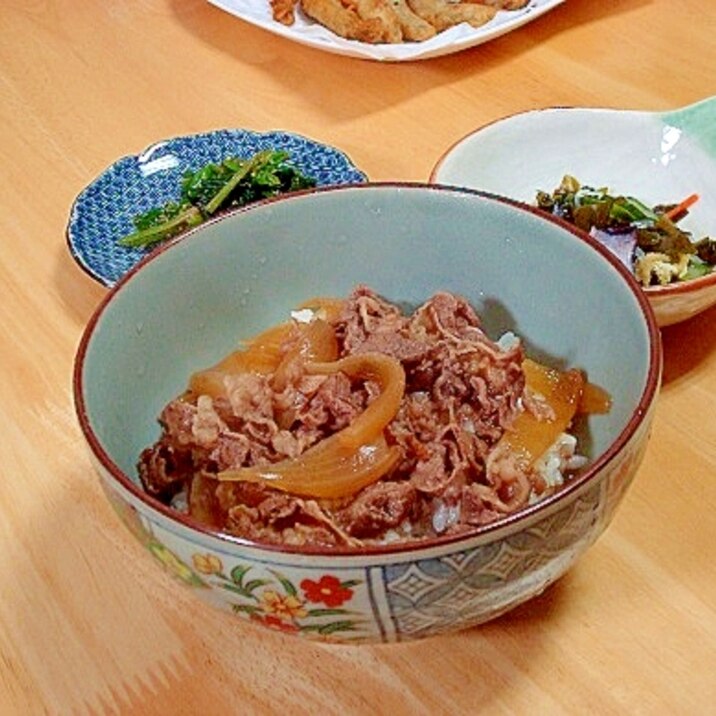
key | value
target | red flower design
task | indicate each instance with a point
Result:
(327, 590)
(273, 622)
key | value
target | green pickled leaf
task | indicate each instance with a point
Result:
(706, 250)
(584, 217)
(157, 230)
(569, 184)
(697, 268)
(594, 208)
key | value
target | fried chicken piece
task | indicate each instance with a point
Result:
(413, 27)
(344, 21)
(442, 15)
(383, 11)
(283, 11)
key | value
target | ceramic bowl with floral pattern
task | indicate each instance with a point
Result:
(187, 305)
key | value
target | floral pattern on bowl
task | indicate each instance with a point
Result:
(659, 157)
(360, 599)
(476, 245)
(103, 212)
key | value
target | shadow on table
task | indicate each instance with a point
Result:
(686, 345)
(79, 293)
(477, 666)
(316, 73)
(539, 609)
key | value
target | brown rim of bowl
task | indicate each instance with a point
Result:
(681, 287)
(672, 289)
(645, 401)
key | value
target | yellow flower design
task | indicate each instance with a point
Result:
(287, 606)
(174, 565)
(207, 563)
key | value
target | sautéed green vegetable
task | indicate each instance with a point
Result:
(647, 237)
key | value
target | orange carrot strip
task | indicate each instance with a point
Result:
(681, 207)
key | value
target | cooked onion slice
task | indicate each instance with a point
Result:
(594, 399)
(267, 352)
(270, 342)
(314, 341)
(351, 458)
(324, 471)
(529, 436)
(390, 376)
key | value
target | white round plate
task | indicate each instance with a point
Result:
(460, 37)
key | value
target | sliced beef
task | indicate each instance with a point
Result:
(164, 469)
(463, 391)
(284, 519)
(377, 508)
(365, 313)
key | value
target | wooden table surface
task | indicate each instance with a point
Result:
(88, 624)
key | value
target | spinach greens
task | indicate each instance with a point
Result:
(214, 188)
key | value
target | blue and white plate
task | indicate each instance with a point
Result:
(103, 212)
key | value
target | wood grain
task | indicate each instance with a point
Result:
(87, 622)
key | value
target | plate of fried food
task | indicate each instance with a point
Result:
(388, 30)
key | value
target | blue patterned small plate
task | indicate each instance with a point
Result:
(103, 212)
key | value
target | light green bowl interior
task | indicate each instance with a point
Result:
(190, 305)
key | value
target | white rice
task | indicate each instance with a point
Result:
(559, 459)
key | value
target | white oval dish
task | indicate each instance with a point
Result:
(661, 157)
(461, 37)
